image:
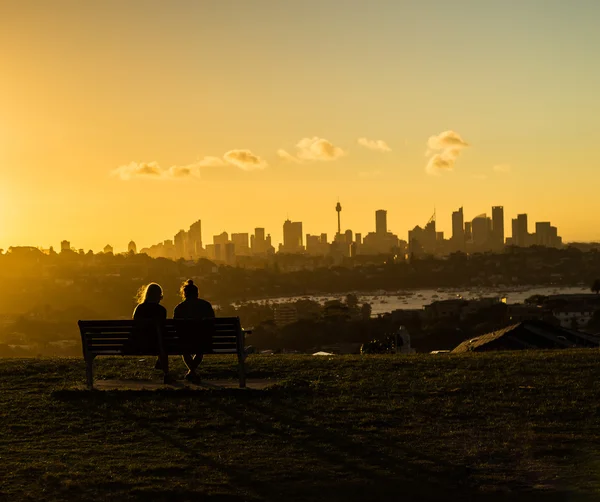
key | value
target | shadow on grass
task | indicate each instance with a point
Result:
(364, 465)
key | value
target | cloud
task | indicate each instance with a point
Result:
(139, 170)
(374, 144)
(283, 154)
(502, 168)
(443, 151)
(318, 149)
(245, 159)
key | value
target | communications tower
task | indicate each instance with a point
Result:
(338, 208)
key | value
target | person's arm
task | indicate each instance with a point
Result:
(135, 311)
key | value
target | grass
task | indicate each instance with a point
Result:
(518, 426)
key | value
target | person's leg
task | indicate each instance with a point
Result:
(192, 362)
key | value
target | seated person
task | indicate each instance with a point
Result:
(149, 307)
(192, 307)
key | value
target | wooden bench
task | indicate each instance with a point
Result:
(222, 335)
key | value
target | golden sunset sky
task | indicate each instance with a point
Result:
(126, 120)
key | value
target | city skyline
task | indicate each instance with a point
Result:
(480, 233)
(119, 118)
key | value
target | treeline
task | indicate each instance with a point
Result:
(106, 285)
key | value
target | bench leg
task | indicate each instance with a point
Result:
(242, 370)
(89, 372)
(166, 378)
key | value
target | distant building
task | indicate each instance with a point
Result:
(242, 246)
(285, 313)
(444, 309)
(574, 316)
(292, 237)
(180, 241)
(458, 230)
(497, 227)
(194, 244)
(481, 228)
(259, 244)
(131, 247)
(316, 245)
(65, 246)
(381, 221)
(108, 249)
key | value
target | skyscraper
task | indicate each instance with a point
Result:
(381, 222)
(497, 227)
(458, 230)
(292, 237)
(180, 240)
(195, 240)
(481, 228)
(521, 238)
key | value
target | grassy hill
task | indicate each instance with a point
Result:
(519, 426)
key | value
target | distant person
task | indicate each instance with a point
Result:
(192, 307)
(149, 307)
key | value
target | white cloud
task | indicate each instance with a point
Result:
(374, 144)
(312, 149)
(502, 168)
(443, 151)
(283, 154)
(245, 160)
(139, 170)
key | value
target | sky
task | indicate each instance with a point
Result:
(131, 120)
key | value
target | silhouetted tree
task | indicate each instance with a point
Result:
(596, 286)
(366, 310)
(351, 301)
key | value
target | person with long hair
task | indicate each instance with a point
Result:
(192, 307)
(149, 307)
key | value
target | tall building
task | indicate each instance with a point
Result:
(240, 241)
(543, 234)
(520, 231)
(180, 240)
(292, 237)
(222, 239)
(65, 246)
(131, 247)
(458, 230)
(381, 222)
(108, 249)
(481, 227)
(259, 244)
(195, 240)
(498, 227)
(468, 232)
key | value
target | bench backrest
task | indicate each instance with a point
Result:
(222, 335)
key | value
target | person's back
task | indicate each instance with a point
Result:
(149, 307)
(149, 310)
(192, 307)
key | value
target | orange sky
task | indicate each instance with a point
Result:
(131, 120)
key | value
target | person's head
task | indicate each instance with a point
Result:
(189, 290)
(152, 293)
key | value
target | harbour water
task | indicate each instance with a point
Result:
(387, 301)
